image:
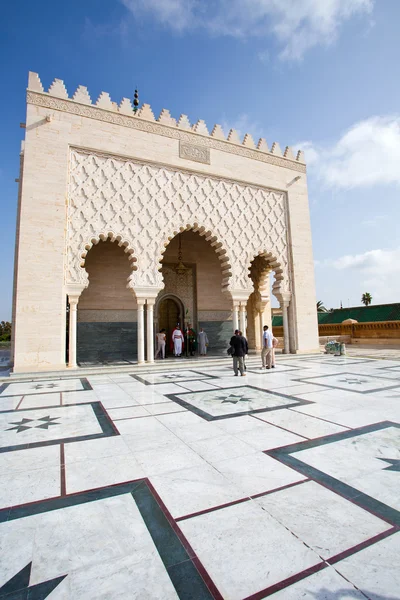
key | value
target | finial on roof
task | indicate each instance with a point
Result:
(135, 101)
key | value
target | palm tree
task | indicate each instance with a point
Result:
(321, 307)
(366, 298)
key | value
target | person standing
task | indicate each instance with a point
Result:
(203, 342)
(191, 339)
(247, 350)
(266, 352)
(161, 339)
(238, 343)
(177, 341)
(275, 343)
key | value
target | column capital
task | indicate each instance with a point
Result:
(149, 292)
(141, 302)
(284, 298)
(240, 296)
(74, 290)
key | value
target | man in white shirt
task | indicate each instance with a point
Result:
(266, 352)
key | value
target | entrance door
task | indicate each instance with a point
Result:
(168, 318)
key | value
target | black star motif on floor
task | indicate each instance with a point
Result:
(20, 425)
(177, 376)
(18, 588)
(232, 399)
(47, 422)
(41, 386)
(394, 464)
(353, 381)
(44, 423)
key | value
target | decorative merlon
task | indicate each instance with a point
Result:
(145, 113)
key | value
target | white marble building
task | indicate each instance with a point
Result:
(110, 199)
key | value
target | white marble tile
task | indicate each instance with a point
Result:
(324, 585)
(194, 489)
(164, 408)
(302, 424)
(15, 555)
(355, 457)
(30, 459)
(172, 456)
(236, 400)
(326, 522)
(180, 420)
(109, 470)
(78, 397)
(10, 403)
(141, 434)
(128, 412)
(238, 424)
(375, 570)
(20, 487)
(96, 449)
(117, 401)
(87, 538)
(172, 376)
(39, 387)
(268, 436)
(99, 379)
(348, 380)
(38, 400)
(257, 473)
(29, 426)
(238, 547)
(168, 388)
(195, 386)
(219, 448)
(200, 431)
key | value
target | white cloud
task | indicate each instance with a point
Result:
(176, 14)
(375, 271)
(298, 25)
(243, 124)
(367, 154)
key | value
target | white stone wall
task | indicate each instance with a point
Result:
(148, 180)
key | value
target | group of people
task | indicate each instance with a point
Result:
(177, 341)
(240, 349)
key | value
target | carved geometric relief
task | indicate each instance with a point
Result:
(197, 153)
(142, 206)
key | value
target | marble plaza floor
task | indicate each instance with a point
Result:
(191, 483)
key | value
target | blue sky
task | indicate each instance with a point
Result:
(317, 74)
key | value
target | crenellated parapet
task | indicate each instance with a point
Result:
(106, 109)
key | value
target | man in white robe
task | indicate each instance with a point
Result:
(177, 341)
(203, 342)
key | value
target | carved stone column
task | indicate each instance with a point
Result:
(73, 291)
(140, 330)
(284, 307)
(150, 330)
(235, 316)
(243, 319)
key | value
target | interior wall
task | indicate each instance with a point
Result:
(213, 308)
(107, 310)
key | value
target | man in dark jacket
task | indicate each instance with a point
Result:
(238, 342)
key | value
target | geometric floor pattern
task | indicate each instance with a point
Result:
(196, 484)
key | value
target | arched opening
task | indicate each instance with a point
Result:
(259, 304)
(169, 311)
(199, 287)
(107, 310)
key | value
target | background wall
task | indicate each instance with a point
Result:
(107, 310)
